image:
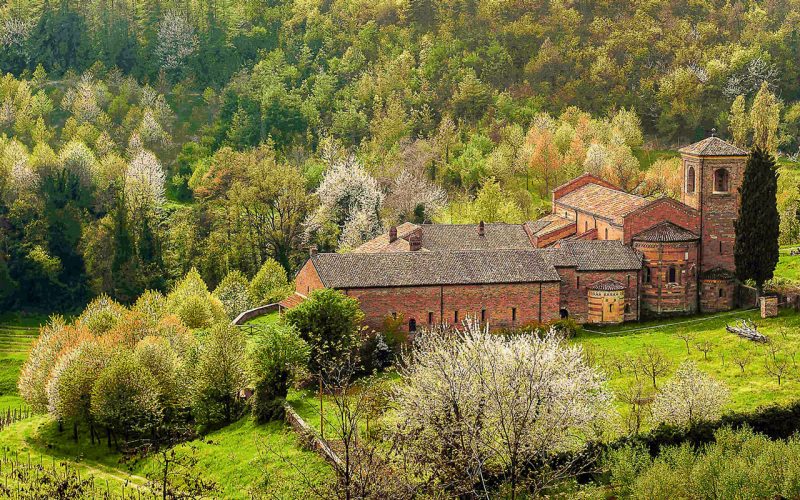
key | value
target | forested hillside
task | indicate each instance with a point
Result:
(142, 139)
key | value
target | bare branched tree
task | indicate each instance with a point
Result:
(688, 337)
(742, 358)
(653, 363)
(705, 347)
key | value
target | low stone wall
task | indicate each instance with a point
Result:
(769, 306)
(310, 436)
(256, 312)
(747, 297)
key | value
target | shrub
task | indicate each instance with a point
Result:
(275, 354)
(330, 322)
(101, 315)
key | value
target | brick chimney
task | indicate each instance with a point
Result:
(392, 234)
(481, 229)
(414, 242)
(312, 250)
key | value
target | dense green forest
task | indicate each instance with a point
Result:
(142, 139)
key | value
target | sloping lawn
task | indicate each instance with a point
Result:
(755, 387)
(17, 334)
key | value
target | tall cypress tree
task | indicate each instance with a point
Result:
(758, 226)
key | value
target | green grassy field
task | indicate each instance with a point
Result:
(749, 390)
(789, 265)
(16, 337)
(267, 319)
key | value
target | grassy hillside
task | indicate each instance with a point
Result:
(16, 336)
(748, 390)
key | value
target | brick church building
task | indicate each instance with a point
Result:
(601, 256)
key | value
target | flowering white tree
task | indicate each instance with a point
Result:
(78, 159)
(151, 132)
(473, 404)
(350, 199)
(14, 32)
(144, 181)
(411, 194)
(597, 156)
(689, 397)
(177, 40)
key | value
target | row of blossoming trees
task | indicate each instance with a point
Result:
(139, 371)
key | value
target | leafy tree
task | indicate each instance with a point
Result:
(765, 117)
(758, 226)
(330, 322)
(270, 283)
(233, 291)
(220, 375)
(739, 122)
(275, 354)
(125, 396)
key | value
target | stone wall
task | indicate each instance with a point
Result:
(717, 295)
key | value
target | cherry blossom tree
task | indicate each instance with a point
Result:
(177, 40)
(472, 404)
(350, 202)
(689, 397)
(144, 181)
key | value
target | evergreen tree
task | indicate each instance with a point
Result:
(758, 225)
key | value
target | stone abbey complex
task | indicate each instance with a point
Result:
(601, 256)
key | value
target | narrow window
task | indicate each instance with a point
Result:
(721, 180)
(577, 281)
(690, 180)
(671, 277)
(720, 248)
(430, 318)
(412, 325)
(455, 316)
(721, 292)
(483, 315)
(610, 307)
(606, 233)
(586, 226)
(513, 314)
(646, 275)
(627, 309)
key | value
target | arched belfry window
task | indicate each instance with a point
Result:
(690, 179)
(721, 180)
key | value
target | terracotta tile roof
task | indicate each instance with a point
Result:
(595, 255)
(497, 236)
(717, 273)
(548, 224)
(607, 285)
(602, 201)
(292, 300)
(713, 146)
(666, 232)
(367, 270)
(381, 242)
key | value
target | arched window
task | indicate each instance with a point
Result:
(627, 309)
(646, 275)
(721, 180)
(412, 325)
(672, 275)
(690, 180)
(721, 292)
(586, 226)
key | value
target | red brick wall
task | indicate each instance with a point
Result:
(719, 211)
(710, 300)
(558, 234)
(659, 296)
(664, 209)
(575, 290)
(307, 279)
(498, 301)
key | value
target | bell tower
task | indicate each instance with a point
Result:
(712, 174)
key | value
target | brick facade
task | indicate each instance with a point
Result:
(575, 291)
(664, 209)
(501, 305)
(661, 262)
